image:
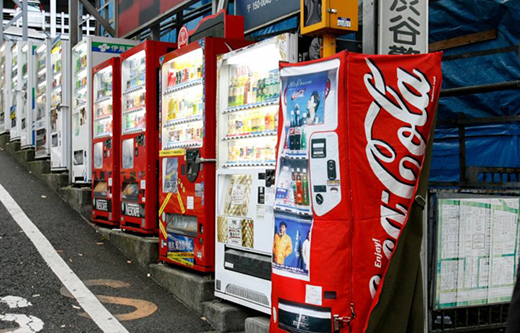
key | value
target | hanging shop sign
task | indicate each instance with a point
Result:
(259, 13)
(403, 27)
(134, 14)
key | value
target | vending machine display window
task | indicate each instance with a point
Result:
(183, 119)
(128, 154)
(134, 97)
(100, 189)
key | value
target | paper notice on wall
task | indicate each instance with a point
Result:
(477, 251)
(313, 295)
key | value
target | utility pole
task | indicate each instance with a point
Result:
(369, 26)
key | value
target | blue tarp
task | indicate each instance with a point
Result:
(490, 145)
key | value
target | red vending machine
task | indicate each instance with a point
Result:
(139, 135)
(106, 135)
(187, 156)
(353, 131)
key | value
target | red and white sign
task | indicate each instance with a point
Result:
(183, 38)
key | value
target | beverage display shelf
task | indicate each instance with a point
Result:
(137, 109)
(182, 86)
(294, 154)
(134, 89)
(81, 71)
(185, 144)
(25, 77)
(103, 117)
(56, 74)
(183, 120)
(103, 99)
(289, 209)
(269, 102)
(103, 135)
(80, 89)
(41, 71)
(57, 88)
(82, 105)
(133, 131)
(250, 135)
(249, 164)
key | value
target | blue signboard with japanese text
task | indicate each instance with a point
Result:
(258, 13)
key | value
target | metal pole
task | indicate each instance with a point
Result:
(481, 89)
(155, 32)
(53, 18)
(2, 27)
(73, 23)
(24, 21)
(369, 26)
(116, 17)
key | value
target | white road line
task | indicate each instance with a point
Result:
(99, 314)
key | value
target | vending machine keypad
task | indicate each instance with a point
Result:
(325, 173)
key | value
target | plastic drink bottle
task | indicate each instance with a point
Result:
(305, 185)
(299, 187)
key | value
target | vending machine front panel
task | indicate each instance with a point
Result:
(41, 110)
(187, 166)
(29, 77)
(5, 81)
(106, 136)
(90, 52)
(60, 136)
(139, 136)
(248, 99)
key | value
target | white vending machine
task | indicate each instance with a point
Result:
(91, 51)
(18, 88)
(28, 95)
(5, 83)
(59, 120)
(247, 111)
(41, 114)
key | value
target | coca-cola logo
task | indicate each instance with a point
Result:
(297, 94)
(398, 174)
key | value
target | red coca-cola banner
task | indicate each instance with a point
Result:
(385, 110)
(391, 107)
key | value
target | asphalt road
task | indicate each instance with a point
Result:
(128, 293)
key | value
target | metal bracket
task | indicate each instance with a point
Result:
(340, 322)
(88, 6)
